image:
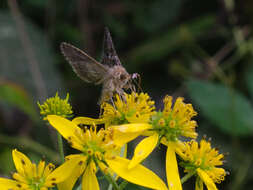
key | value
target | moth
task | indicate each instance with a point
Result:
(110, 72)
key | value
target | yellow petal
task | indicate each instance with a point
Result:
(206, 179)
(41, 167)
(106, 170)
(65, 170)
(122, 134)
(143, 149)
(138, 175)
(88, 121)
(147, 133)
(18, 177)
(199, 184)
(22, 163)
(48, 169)
(132, 128)
(7, 184)
(164, 141)
(89, 180)
(71, 180)
(122, 152)
(173, 178)
(65, 127)
(71, 156)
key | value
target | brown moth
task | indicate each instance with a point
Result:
(110, 73)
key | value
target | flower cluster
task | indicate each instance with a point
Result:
(56, 106)
(136, 115)
(166, 126)
(32, 177)
(100, 148)
(135, 108)
(202, 160)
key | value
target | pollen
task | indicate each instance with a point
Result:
(106, 170)
(98, 155)
(80, 163)
(19, 185)
(161, 122)
(172, 123)
(90, 151)
(23, 162)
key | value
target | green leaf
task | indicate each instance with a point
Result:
(226, 108)
(14, 61)
(6, 161)
(16, 96)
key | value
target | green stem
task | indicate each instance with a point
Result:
(110, 187)
(30, 144)
(187, 176)
(112, 182)
(123, 184)
(60, 146)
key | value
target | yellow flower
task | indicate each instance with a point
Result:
(202, 160)
(176, 120)
(98, 151)
(166, 126)
(135, 108)
(32, 177)
(56, 106)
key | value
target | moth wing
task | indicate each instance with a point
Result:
(109, 56)
(87, 68)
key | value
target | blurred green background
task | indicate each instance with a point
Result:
(201, 50)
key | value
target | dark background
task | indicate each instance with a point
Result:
(201, 50)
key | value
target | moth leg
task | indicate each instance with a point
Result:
(121, 94)
(100, 112)
(113, 103)
(132, 88)
(106, 94)
(136, 78)
(100, 81)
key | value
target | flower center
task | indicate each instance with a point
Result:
(166, 126)
(196, 163)
(93, 151)
(135, 108)
(36, 183)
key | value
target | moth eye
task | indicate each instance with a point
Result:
(122, 77)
